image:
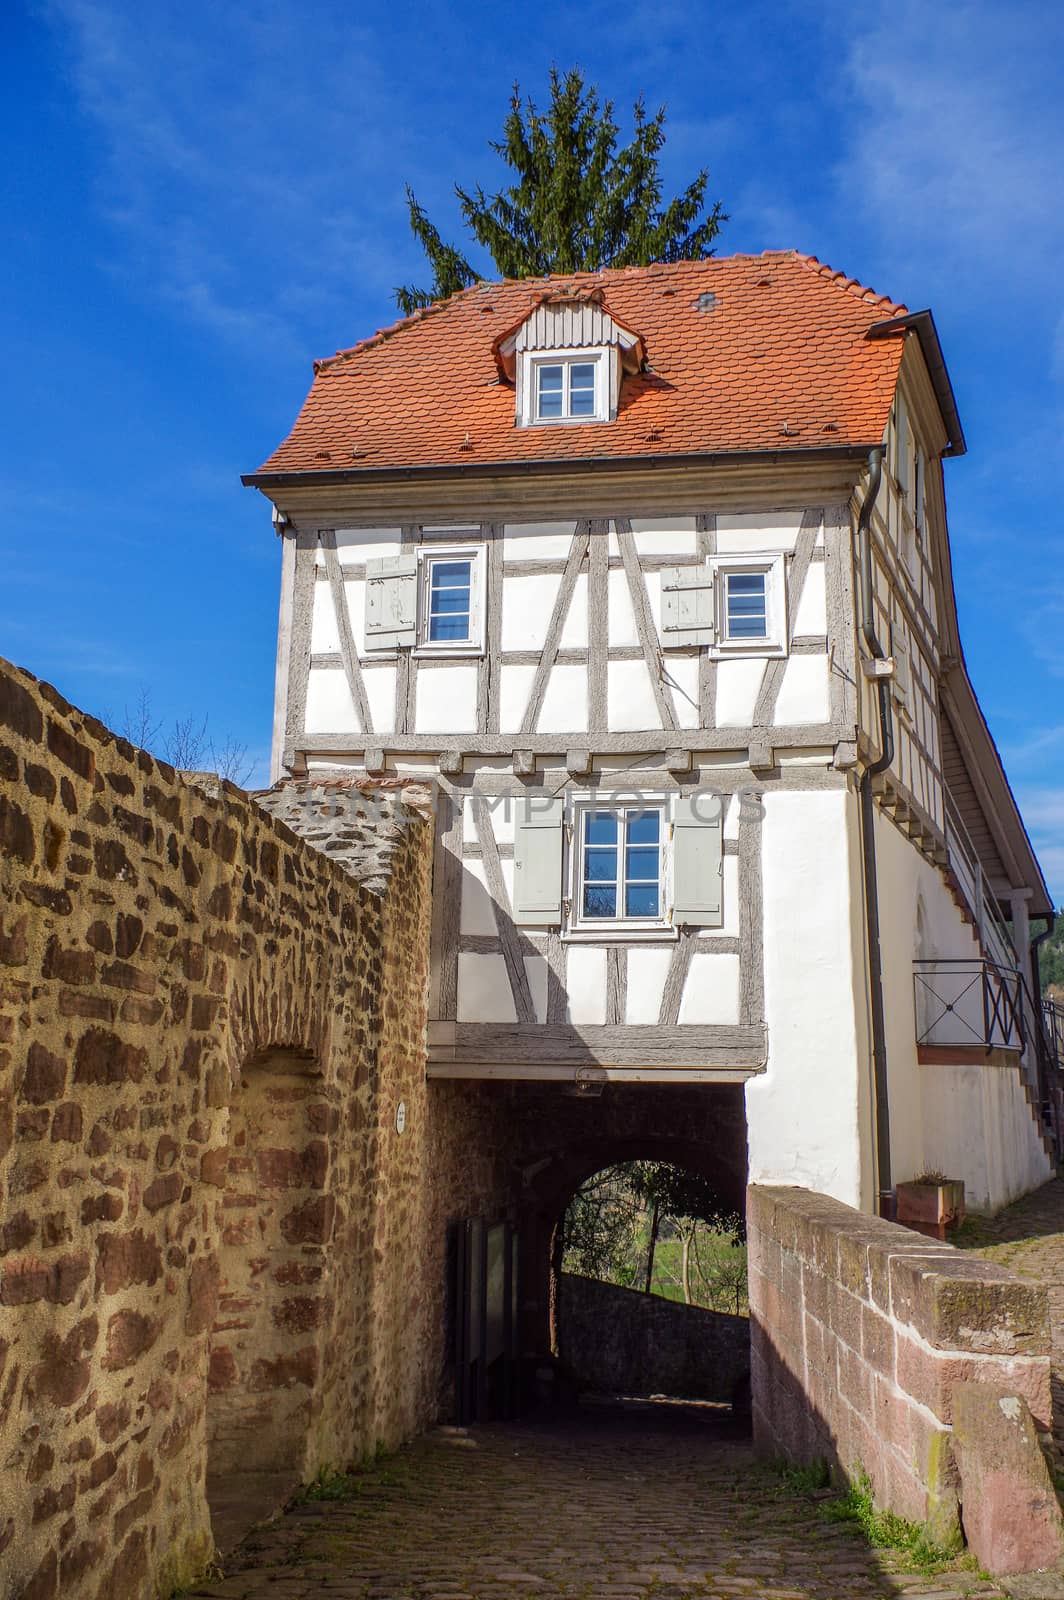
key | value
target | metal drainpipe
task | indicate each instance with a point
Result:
(1056, 1133)
(866, 630)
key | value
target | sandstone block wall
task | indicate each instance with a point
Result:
(208, 1214)
(625, 1342)
(860, 1333)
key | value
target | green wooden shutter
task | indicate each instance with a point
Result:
(687, 613)
(697, 861)
(391, 602)
(538, 860)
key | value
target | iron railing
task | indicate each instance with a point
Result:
(969, 1002)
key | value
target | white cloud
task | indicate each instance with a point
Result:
(241, 150)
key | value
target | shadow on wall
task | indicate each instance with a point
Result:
(623, 1342)
(886, 1353)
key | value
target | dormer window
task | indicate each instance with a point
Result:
(567, 359)
(568, 387)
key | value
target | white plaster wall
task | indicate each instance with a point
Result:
(711, 990)
(477, 915)
(664, 536)
(621, 616)
(380, 692)
(647, 970)
(364, 544)
(564, 708)
(977, 1123)
(484, 993)
(527, 604)
(537, 541)
(329, 705)
(979, 1127)
(574, 631)
(804, 693)
(586, 979)
(681, 674)
(738, 683)
(630, 697)
(536, 973)
(759, 530)
(324, 633)
(807, 1114)
(812, 614)
(446, 700)
(515, 684)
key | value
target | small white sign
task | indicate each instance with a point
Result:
(400, 1116)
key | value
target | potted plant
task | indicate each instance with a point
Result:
(931, 1203)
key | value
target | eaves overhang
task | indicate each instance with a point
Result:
(923, 325)
(554, 465)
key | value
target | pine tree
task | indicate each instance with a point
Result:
(578, 203)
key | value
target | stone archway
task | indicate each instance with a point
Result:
(274, 1219)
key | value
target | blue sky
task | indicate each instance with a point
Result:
(201, 198)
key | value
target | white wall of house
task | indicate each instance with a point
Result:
(969, 1119)
(807, 1117)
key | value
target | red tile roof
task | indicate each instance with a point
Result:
(780, 360)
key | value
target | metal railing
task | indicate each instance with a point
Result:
(967, 868)
(1053, 1031)
(969, 1002)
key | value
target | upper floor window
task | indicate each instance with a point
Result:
(451, 608)
(568, 386)
(750, 604)
(431, 598)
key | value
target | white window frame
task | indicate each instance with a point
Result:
(771, 565)
(533, 360)
(603, 930)
(427, 556)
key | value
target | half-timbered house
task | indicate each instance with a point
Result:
(648, 571)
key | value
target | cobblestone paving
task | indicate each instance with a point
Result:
(622, 1502)
(1028, 1238)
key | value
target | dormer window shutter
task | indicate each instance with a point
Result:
(698, 861)
(687, 606)
(391, 602)
(538, 837)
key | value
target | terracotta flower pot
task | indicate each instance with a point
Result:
(931, 1208)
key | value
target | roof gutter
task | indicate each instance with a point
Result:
(886, 1203)
(476, 469)
(923, 325)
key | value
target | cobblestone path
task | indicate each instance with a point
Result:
(621, 1502)
(1028, 1238)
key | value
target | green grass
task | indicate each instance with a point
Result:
(885, 1531)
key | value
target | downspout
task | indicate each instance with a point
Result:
(867, 634)
(1045, 1094)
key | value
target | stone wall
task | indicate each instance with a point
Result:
(862, 1333)
(624, 1342)
(208, 1214)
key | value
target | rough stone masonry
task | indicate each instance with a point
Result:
(208, 1213)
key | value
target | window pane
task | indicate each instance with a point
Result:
(641, 900)
(747, 616)
(644, 827)
(549, 391)
(445, 574)
(448, 601)
(582, 389)
(600, 901)
(600, 866)
(600, 827)
(449, 609)
(449, 627)
(642, 862)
